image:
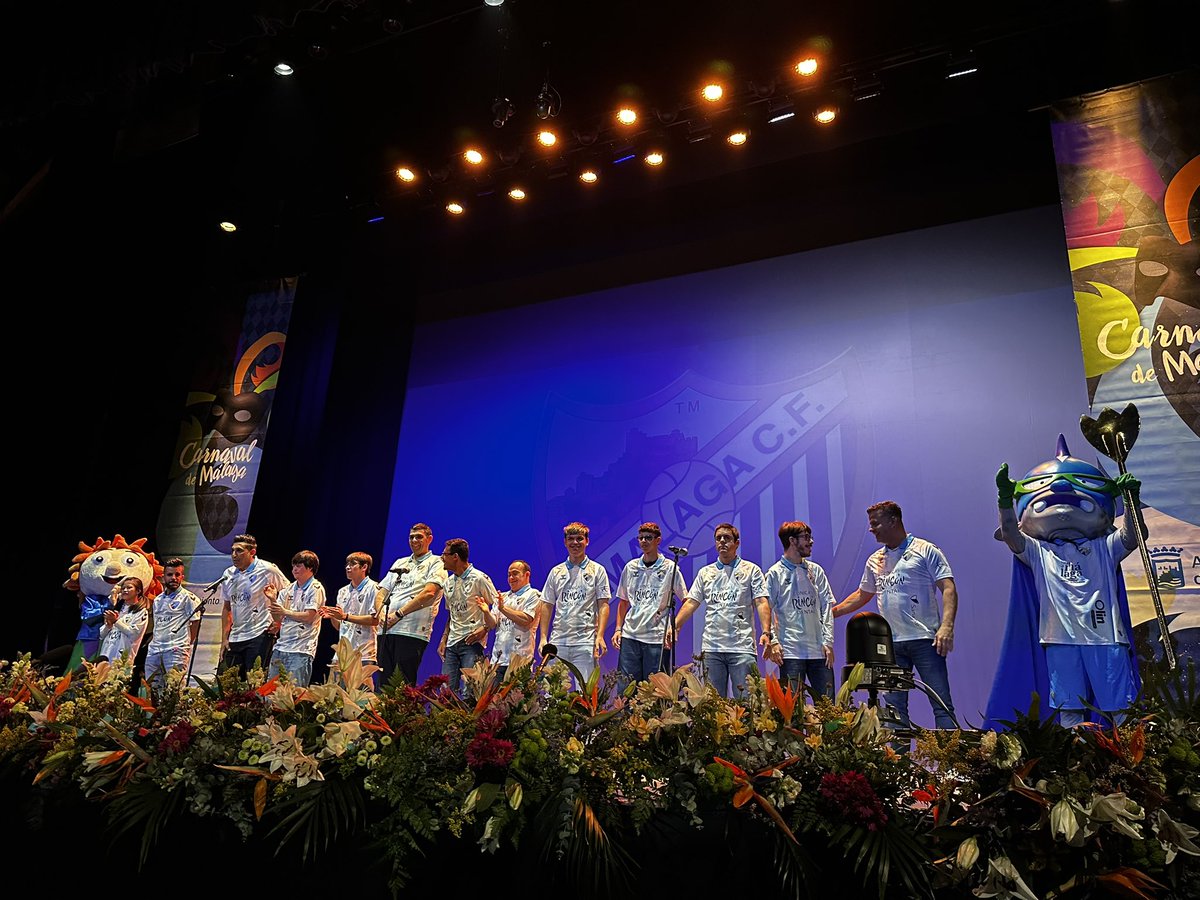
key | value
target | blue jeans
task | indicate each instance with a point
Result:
(725, 666)
(931, 666)
(820, 676)
(460, 655)
(639, 660)
(297, 665)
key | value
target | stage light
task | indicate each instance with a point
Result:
(961, 64)
(807, 66)
(228, 227)
(404, 173)
(779, 110)
(712, 92)
(493, 2)
(392, 25)
(283, 69)
(825, 113)
(502, 111)
(547, 138)
(473, 156)
(738, 136)
(455, 208)
(589, 176)
(654, 158)
(517, 194)
(627, 115)
(548, 102)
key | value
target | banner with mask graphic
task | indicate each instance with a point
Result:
(221, 442)
(1129, 175)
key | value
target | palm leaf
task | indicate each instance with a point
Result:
(144, 805)
(320, 812)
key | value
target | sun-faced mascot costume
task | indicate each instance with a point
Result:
(1069, 635)
(95, 572)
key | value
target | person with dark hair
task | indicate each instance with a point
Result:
(909, 575)
(469, 598)
(175, 613)
(409, 596)
(297, 610)
(357, 611)
(247, 630)
(734, 590)
(575, 599)
(802, 606)
(643, 604)
(517, 611)
(125, 622)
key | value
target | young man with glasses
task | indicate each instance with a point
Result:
(643, 606)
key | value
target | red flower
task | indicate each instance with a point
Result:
(179, 738)
(850, 794)
(486, 750)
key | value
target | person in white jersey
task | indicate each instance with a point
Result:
(802, 605)
(247, 630)
(643, 607)
(409, 596)
(575, 601)
(297, 609)
(517, 611)
(176, 616)
(356, 613)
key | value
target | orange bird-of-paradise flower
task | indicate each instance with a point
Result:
(782, 698)
(745, 791)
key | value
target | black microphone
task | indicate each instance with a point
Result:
(679, 551)
(216, 584)
(548, 651)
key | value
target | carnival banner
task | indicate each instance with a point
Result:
(1129, 173)
(221, 442)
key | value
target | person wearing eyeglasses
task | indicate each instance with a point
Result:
(643, 604)
(918, 598)
(733, 589)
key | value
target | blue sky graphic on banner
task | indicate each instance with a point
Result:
(807, 386)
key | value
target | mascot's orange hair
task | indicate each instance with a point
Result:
(153, 589)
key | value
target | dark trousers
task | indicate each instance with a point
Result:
(400, 651)
(242, 654)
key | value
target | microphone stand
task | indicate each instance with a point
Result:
(668, 655)
(203, 603)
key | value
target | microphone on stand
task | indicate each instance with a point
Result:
(679, 551)
(216, 584)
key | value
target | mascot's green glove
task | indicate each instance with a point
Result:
(1126, 482)
(1006, 488)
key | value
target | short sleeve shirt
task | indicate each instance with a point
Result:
(359, 601)
(296, 636)
(171, 613)
(243, 591)
(1079, 579)
(904, 581)
(728, 593)
(576, 592)
(463, 593)
(645, 589)
(511, 638)
(802, 603)
(408, 578)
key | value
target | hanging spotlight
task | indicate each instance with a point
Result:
(587, 136)
(455, 208)
(764, 89)
(318, 51)
(547, 138)
(405, 174)
(502, 111)
(392, 25)
(283, 69)
(548, 102)
(227, 227)
(667, 114)
(493, 2)
(807, 67)
(627, 115)
(473, 156)
(517, 194)
(712, 92)
(510, 156)
(825, 113)
(439, 174)
(589, 175)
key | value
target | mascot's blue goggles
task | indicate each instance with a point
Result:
(1092, 483)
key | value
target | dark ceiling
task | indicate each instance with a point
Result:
(184, 95)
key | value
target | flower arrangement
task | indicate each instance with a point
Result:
(587, 777)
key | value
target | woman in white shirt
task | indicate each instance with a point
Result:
(125, 624)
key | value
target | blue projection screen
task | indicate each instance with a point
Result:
(801, 387)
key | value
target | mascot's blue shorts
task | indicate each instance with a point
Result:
(1098, 674)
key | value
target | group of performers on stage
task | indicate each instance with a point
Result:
(1073, 615)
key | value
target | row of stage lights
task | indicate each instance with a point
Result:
(653, 154)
